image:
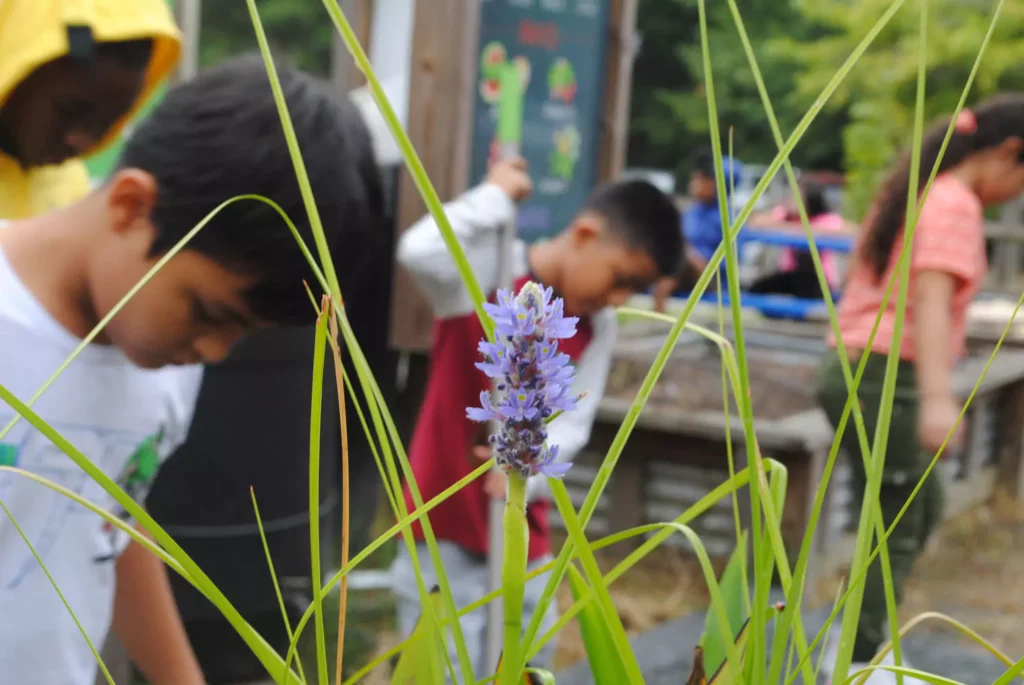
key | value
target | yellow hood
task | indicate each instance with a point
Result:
(34, 32)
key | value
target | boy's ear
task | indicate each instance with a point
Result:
(130, 198)
(1011, 147)
(585, 229)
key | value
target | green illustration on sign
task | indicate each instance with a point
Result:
(493, 58)
(566, 153)
(562, 80)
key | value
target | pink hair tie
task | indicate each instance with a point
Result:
(966, 122)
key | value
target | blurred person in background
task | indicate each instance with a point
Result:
(796, 275)
(71, 76)
(701, 224)
(983, 165)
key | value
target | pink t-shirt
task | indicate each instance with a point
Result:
(950, 237)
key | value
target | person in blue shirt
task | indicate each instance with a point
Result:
(701, 222)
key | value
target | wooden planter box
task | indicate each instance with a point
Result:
(674, 457)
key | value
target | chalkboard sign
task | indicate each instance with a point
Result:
(558, 47)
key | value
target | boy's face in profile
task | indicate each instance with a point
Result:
(192, 311)
(61, 110)
(702, 187)
(600, 269)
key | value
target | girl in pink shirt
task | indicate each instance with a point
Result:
(982, 165)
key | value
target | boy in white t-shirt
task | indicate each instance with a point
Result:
(126, 401)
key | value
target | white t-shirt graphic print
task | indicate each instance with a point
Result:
(125, 420)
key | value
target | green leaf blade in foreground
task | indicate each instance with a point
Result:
(603, 658)
(734, 590)
(423, 657)
(315, 415)
(260, 648)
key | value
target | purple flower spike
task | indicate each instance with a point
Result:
(548, 464)
(485, 412)
(533, 378)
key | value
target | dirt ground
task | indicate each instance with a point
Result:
(974, 573)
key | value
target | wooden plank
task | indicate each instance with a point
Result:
(441, 97)
(345, 75)
(619, 58)
(807, 430)
(1007, 368)
(1011, 440)
(439, 126)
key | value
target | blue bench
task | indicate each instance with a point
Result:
(784, 306)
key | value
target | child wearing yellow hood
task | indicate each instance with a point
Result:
(72, 73)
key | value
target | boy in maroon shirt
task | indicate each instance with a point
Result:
(624, 238)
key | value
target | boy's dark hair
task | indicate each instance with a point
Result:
(644, 217)
(998, 118)
(219, 136)
(815, 201)
(133, 54)
(703, 162)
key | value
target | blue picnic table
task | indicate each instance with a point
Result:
(784, 306)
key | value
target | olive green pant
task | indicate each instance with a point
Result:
(905, 462)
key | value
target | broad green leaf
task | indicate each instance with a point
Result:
(734, 590)
(424, 657)
(605, 662)
(725, 674)
(531, 675)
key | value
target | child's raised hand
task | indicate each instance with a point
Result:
(496, 484)
(511, 176)
(935, 420)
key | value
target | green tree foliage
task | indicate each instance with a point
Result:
(299, 30)
(669, 106)
(880, 92)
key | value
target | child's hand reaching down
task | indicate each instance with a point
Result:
(495, 482)
(936, 419)
(511, 176)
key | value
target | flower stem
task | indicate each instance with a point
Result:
(513, 575)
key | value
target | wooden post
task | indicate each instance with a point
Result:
(345, 75)
(619, 57)
(441, 82)
(1011, 440)
(441, 98)
(189, 16)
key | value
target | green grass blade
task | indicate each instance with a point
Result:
(315, 415)
(98, 328)
(851, 617)
(758, 614)
(260, 648)
(859, 576)
(273, 576)
(734, 589)
(424, 653)
(412, 163)
(613, 624)
(900, 672)
(378, 409)
(647, 384)
(92, 648)
(603, 656)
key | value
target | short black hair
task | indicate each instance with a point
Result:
(703, 162)
(133, 54)
(815, 201)
(219, 136)
(642, 215)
